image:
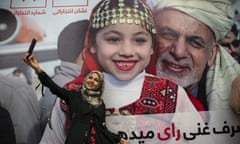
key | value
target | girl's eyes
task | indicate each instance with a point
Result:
(113, 39)
(140, 40)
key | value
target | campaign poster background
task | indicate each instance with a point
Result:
(48, 18)
(43, 16)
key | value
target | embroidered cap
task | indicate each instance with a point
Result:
(123, 11)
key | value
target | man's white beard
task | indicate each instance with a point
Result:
(183, 81)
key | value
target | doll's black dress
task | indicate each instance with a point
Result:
(88, 122)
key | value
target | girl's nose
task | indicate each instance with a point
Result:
(126, 49)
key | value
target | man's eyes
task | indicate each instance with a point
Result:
(196, 42)
(192, 41)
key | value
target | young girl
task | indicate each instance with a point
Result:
(120, 42)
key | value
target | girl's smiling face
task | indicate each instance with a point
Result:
(123, 50)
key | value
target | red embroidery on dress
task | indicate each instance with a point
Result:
(158, 96)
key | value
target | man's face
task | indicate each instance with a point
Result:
(92, 81)
(185, 47)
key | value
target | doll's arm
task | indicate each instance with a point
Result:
(54, 88)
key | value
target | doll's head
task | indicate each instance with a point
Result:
(92, 88)
(93, 84)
